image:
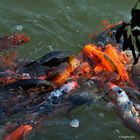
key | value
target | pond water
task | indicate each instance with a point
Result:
(67, 25)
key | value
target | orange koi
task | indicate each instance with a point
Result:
(19, 39)
(109, 60)
(19, 133)
(91, 51)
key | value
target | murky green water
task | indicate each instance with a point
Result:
(67, 25)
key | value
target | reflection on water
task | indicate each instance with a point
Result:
(66, 25)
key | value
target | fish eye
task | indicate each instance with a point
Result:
(10, 37)
(119, 91)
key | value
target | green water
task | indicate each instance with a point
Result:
(67, 25)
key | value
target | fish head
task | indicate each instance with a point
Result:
(117, 95)
(19, 39)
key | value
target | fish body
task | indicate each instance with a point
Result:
(107, 35)
(19, 39)
(66, 88)
(19, 133)
(53, 66)
(109, 60)
(113, 53)
(27, 84)
(124, 107)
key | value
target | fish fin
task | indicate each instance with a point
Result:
(125, 43)
(132, 48)
(138, 49)
(138, 43)
(120, 31)
(136, 60)
(30, 64)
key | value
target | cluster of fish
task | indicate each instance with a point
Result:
(48, 85)
(125, 108)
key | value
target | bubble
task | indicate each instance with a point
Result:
(17, 29)
(68, 7)
(116, 131)
(110, 106)
(74, 123)
(101, 115)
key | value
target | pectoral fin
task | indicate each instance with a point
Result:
(120, 32)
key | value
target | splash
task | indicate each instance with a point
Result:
(104, 60)
(64, 71)
(8, 57)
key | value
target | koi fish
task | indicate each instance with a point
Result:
(90, 50)
(13, 41)
(61, 74)
(65, 89)
(115, 56)
(108, 60)
(124, 107)
(56, 95)
(19, 133)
